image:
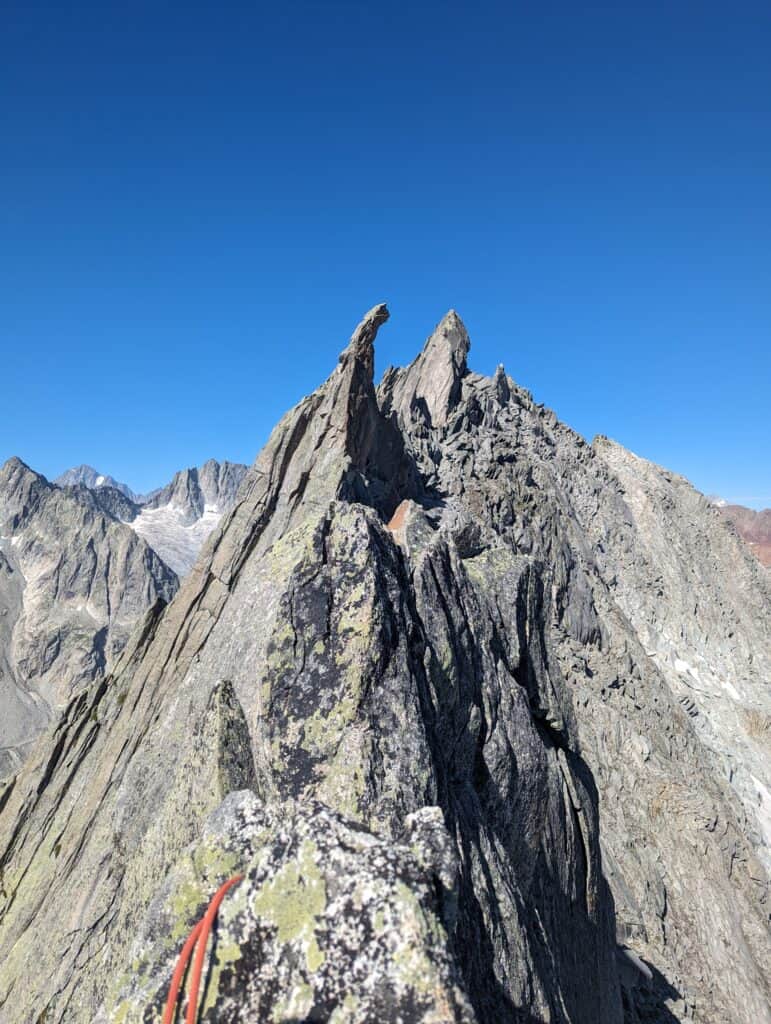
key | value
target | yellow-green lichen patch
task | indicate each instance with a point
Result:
(323, 731)
(292, 549)
(207, 867)
(293, 900)
(121, 1013)
(186, 900)
(492, 563)
(211, 861)
(343, 784)
(225, 953)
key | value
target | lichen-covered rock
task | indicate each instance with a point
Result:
(330, 923)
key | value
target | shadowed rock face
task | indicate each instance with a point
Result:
(408, 642)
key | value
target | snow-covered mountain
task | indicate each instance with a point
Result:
(91, 478)
(176, 519)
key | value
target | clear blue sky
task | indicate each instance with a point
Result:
(199, 200)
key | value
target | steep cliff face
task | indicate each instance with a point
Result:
(73, 584)
(406, 656)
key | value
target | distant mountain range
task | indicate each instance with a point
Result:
(89, 477)
(82, 560)
(176, 519)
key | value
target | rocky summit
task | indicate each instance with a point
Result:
(477, 712)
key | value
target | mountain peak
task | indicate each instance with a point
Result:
(93, 479)
(433, 380)
(14, 465)
(16, 476)
(449, 344)
(361, 346)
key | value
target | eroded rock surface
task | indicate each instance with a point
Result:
(753, 526)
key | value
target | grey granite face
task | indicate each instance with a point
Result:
(423, 689)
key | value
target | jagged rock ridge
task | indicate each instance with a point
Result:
(414, 604)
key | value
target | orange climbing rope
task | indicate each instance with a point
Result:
(197, 938)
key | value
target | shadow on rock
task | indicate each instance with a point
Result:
(645, 992)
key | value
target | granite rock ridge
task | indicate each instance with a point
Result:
(407, 693)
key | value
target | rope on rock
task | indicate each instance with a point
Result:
(197, 938)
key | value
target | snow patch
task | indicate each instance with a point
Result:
(170, 536)
(685, 668)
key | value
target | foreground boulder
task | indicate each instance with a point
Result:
(330, 922)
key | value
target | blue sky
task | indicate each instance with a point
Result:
(199, 200)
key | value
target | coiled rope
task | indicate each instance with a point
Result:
(197, 938)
